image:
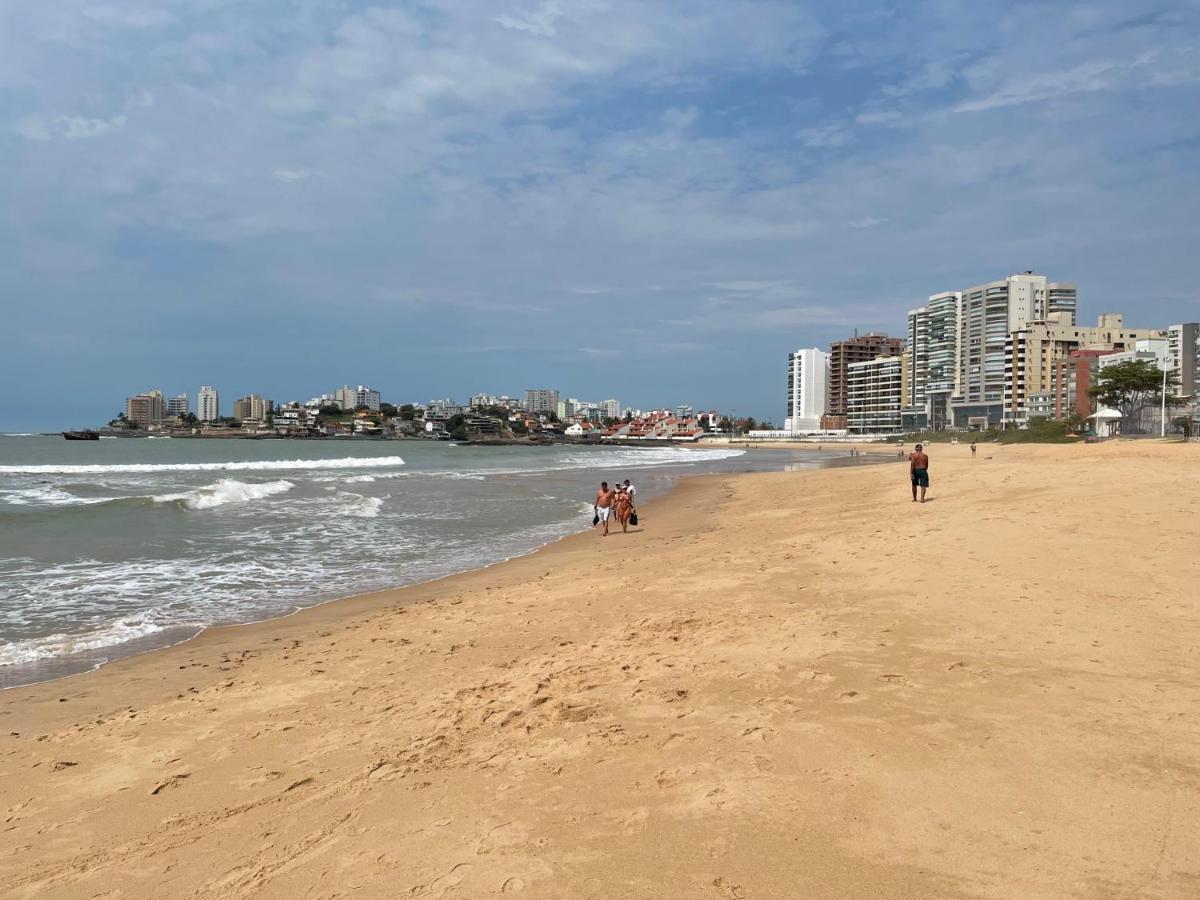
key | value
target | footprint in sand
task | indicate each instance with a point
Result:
(850, 697)
(168, 783)
(636, 821)
(728, 889)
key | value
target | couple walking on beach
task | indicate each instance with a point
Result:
(615, 501)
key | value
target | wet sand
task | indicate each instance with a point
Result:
(785, 685)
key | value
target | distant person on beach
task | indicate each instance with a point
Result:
(604, 503)
(918, 468)
(973, 449)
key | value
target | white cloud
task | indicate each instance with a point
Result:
(291, 175)
(830, 136)
(67, 128)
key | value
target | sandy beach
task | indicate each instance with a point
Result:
(785, 685)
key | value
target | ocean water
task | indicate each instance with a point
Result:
(113, 547)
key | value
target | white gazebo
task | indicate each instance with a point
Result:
(1106, 422)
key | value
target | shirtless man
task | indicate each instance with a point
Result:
(604, 504)
(918, 468)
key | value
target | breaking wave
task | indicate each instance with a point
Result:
(53, 645)
(227, 490)
(349, 462)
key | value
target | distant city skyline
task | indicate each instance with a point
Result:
(652, 201)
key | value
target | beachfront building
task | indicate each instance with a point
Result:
(251, 408)
(918, 361)
(931, 362)
(293, 418)
(1032, 352)
(988, 314)
(1183, 344)
(145, 409)
(1071, 381)
(541, 401)
(807, 390)
(874, 400)
(208, 403)
(860, 348)
(611, 408)
(177, 407)
(656, 425)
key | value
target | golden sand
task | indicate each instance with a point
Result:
(786, 685)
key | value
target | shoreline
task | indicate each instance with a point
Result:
(54, 669)
(788, 684)
(86, 663)
(342, 610)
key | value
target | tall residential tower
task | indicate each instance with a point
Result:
(808, 390)
(208, 404)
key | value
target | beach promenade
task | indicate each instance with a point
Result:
(786, 685)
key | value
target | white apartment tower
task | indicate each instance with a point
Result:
(989, 313)
(1183, 342)
(208, 404)
(808, 387)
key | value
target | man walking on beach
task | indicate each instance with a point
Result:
(918, 468)
(972, 449)
(603, 504)
(632, 492)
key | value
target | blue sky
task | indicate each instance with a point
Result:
(652, 201)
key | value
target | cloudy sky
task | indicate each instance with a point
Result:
(649, 200)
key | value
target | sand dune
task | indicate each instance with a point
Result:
(785, 685)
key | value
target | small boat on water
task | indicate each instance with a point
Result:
(85, 435)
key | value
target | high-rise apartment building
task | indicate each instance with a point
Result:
(145, 409)
(1183, 343)
(874, 401)
(989, 313)
(918, 358)
(178, 405)
(931, 378)
(1032, 351)
(349, 398)
(208, 404)
(859, 348)
(252, 408)
(611, 409)
(541, 400)
(808, 390)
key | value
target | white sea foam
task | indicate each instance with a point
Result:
(52, 645)
(349, 462)
(361, 507)
(47, 495)
(227, 490)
